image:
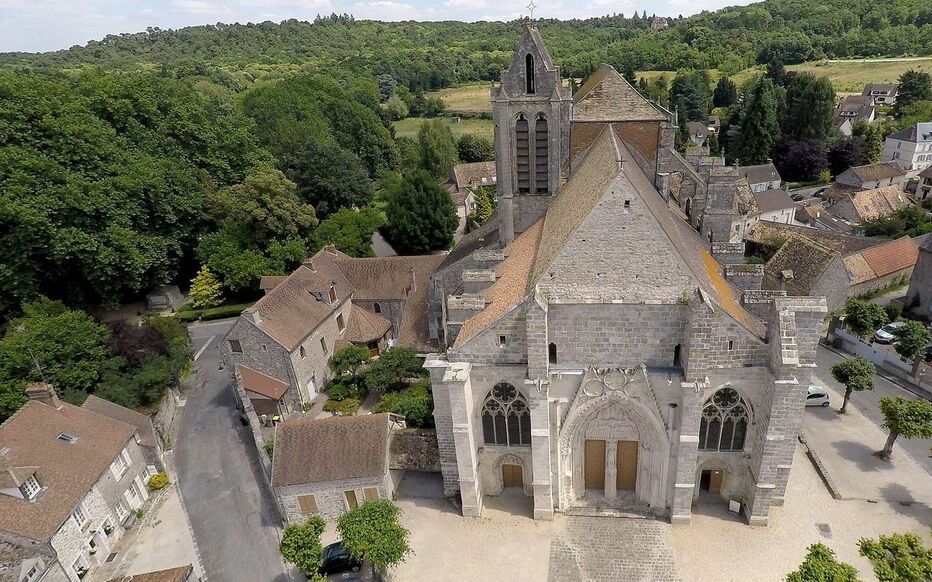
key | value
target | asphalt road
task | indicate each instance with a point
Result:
(868, 403)
(233, 516)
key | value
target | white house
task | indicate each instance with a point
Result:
(911, 147)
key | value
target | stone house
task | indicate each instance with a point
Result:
(698, 132)
(331, 301)
(761, 177)
(464, 180)
(775, 206)
(148, 439)
(852, 109)
(881, 93)
(918, 298)
(816, 216)
(872, 176)
(601, 362)
(924, 187)
(329, 466)
(859, 206)
(70, 480)
(910, 147)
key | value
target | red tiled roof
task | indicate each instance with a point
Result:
(260, 383)
(892, 257)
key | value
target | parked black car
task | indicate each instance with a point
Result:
(337, 559)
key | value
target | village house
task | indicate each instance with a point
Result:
(881, 94)
(924, 187)
(462, 185)
(597, 359)
(872, 176)
(70, 479)
(775, 206)
(331, 301)
(860, 206)
(698, 132)
(761, 177)
(910, 147)
(148, 438)
(816, 216)
(852, 109)
(918, 298)
(329, 466)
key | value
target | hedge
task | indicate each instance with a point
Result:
(212, 313)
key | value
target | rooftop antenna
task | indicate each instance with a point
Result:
(531, 6)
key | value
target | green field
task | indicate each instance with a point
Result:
(408, 127)
(466, 98)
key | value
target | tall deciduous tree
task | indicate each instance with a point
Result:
(348, 360)
(300, 546)
(846, 153)
(820, 565)
(914, 86)
(911, 337)
(799, 160)
(437, 148)
(857, 374)
(329, 178)
(475, 148)
(869, 137)
(372, 530)
(350, 231)
(810, 106)
(863, 317)
(909, 419)
(421, 217)
(757, 131)
(898, 557)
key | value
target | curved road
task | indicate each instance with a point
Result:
(233, 515)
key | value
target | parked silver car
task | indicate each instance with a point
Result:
(884, 335)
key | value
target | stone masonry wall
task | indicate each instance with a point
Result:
(485, 347)
(274, 362)
(331, 503)
(70, 541)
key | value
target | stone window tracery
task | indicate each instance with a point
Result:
(724, 422)
(506, 418)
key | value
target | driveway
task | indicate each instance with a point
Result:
(868, 403)
(232, 513)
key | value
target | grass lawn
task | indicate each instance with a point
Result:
(851, 76)
(466, 98)
(408, 127)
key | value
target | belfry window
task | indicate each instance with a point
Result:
(541, 159)
(552, 353)
(522, 154)
(506, 419)
(529, 73)
(724, 423)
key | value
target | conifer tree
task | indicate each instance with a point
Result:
(757, 131)
(421, 217)
(205, 289)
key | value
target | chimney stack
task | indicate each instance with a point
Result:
(44, 393)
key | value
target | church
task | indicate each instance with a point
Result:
(595, 354)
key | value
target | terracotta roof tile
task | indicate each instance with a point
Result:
(879, 202)
(66, 471)
(803, 257)
(262, 384)
(269, 282)
(878, 171)
(330, 449)
(893, 256)
(858, 269)
(763, 232)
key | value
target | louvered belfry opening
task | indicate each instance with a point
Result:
(541, 158)
(523, 154)
(529, 74)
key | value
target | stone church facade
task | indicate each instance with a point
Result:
(595, 356)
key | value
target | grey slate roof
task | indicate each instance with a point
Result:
(773, 200)
(759, 173)
(918, 133)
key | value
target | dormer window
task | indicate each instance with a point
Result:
(30, 488)
(333, 293)
(529, 73)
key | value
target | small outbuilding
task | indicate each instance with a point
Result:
(329, 466)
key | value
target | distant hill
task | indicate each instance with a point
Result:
(432, 55)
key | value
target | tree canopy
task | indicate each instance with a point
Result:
(301, 546)
(421, 217)
(857, 374)
(372, 530)
(906, 418)
(898, 557)
(821, 565)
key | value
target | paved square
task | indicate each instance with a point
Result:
(605, 548)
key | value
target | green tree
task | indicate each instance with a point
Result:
(898, 557)
(205, 289)
(372, 530)
(863, 317)
(415, 404)
(869, 137)
(909, 419)
(437, 148)
(396, 107)
(914, 86)
(857, 375)
(691, 96)
(757, 130)
(301, 546)
(329, 178)
(475, 148)
(911, 337)
(346, 361)
(820, 565)
(393, 367)
(725, 94)
(54, 344)
(350, 231)
(421, 217)
(810, 106)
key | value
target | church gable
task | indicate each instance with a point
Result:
(530, 73)
(607, 96)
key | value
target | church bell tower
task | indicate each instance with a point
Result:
(531, 112)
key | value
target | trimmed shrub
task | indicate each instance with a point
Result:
(415, 404)
(345, 407)
(157, 481)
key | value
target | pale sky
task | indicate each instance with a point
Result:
(44, 25)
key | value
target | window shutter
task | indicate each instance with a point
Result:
(371, 493)
(307, 504)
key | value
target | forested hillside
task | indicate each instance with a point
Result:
(428, 56)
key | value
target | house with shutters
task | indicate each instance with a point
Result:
(279, 347)
(71, 480)
(910, 147)
(462, 185)
(329, 466)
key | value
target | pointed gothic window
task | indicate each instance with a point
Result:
(529, 73)
(522, 154)
(506, 419)
(724, 422)
(541, 159)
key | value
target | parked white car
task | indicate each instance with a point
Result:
(884, 335)
(818, 396)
